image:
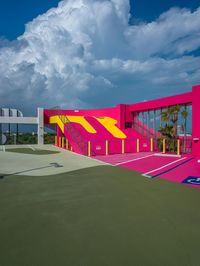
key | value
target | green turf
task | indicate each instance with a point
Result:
(30, 151)
(101, 216)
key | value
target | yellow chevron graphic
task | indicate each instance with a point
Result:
(110, 124)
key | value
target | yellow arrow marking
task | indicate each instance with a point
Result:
(83, 122)
(110, 124)
(75, 119)
(56, 120)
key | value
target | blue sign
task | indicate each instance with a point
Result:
(192, 180)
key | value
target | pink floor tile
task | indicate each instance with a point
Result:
(148, 164)
(119, 158)
(175, 169)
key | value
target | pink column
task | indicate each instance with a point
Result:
(121, 116)
(196, 121)
(124, 115)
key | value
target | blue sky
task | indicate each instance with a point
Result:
(14, 14)
(150, 10)
(96, 53)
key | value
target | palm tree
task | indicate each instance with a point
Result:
(165, 130)
(184, 115)
(173, 113)
(170, 116)
(165, 117)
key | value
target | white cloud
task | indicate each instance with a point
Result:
(175, 32)
(84, 53)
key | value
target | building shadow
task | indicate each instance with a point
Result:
(55, 165)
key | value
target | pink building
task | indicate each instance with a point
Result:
(126, 128)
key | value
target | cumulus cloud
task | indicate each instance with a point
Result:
(174, 33)
(84, 53)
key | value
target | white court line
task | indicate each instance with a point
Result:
(4, 148)
(136, 159)
(167, 155)
(154, 170)
(33, 149)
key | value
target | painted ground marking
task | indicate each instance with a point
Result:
(136, 159)
(192, 180)
(31, 147)
(164, 166)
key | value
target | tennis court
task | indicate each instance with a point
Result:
(90, 213)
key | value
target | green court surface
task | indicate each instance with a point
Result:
(31, 151)
(98, 216)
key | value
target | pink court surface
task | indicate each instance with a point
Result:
(181, 169)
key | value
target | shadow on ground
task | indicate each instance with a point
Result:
(31, 151)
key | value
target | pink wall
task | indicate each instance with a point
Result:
(196, 120)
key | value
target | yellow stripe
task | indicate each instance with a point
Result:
(83, 122)
(110, 124)
(89, 148)
(67, 144)
(56, 120)
(178, 147)
(138, 145)
(151, 144)
(123, 146)
(106, 147)
(75, 119)
(164, 145)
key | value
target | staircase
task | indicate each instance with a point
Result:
(76, 136)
